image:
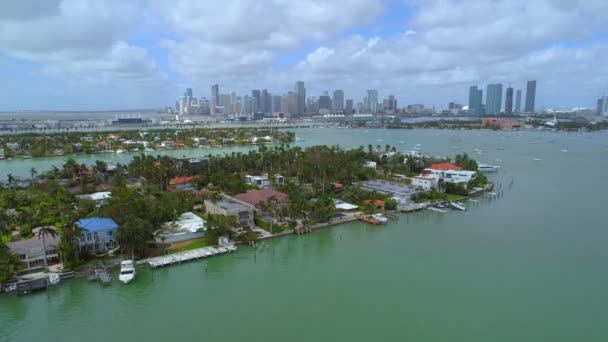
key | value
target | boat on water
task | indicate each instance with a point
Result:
(127, 271)
(402, 142)
(564, 150)
(477, 150)
(120, 150)
(458, 206)
(536, 159)
(487, 167)
(380, 218)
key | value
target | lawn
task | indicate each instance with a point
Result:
(187, 245)
(452, 197)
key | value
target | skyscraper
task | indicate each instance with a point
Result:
(602, 106)
(276, 103)
(530, 96)
(325, 104)
(292, 103)
(475, 96)
(348, 107)
(215, 98)
(509, 101)
(300, 92)
(188, 92)
(493, 98)
(265, 101)
(255, 97)
(338, 101)
(371, 103)
(518, 101)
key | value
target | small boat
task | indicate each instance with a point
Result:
(564, 150)
(456, 147)
(380, 218)
(536, 159)
(417, 145)
(498, 160)
(54, 279)
(477, 150)
(127, 271)
(402, 142)
(458, 206)
(120, 150)
(487, 167)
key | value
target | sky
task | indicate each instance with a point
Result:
(114, 54)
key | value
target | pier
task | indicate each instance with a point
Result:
(189, 255)
(102, 276)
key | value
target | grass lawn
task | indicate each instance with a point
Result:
(187, 245)
(452, 197)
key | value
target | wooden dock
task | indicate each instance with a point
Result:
(194, 254)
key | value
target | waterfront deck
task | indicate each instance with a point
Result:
(194, 254)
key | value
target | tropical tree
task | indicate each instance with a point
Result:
(133, 234)
(42, 233)
(9, 263)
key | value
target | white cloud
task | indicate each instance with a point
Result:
(77, 39)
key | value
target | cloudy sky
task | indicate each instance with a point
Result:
(114, 54)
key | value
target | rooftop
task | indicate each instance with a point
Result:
(445, 167)
(395, 189)
(255, 196)
(97, 224)
(188, 222)
(27, 245)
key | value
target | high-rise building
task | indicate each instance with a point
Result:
(392, 103)
(182, 105)
(493, 98)
(255, 97)
(518, 101)
(292, 103)
(276, 103)
(475, 96)
(246, 104)
(300, 92)
(509, 101)
(530, 96)
(188, 92)
(338, 101)
(602, 106)
(371, 103)
(265, 101)
(348, 107)
(325, 104)
(215, 98)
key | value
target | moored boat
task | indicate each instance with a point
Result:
(487, 167)
(127, 271)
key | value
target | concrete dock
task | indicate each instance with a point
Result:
(189, 255)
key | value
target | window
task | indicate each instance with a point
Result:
(82, 238)
(89, 237)
(109, 233)
(95, 236)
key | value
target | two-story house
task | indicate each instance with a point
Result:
(97, 234)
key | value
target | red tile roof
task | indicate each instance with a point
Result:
(181, 180)
(445, 167)
(255, 196)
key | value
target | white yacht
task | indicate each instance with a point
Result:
(458, 206)
(120, 150)
(487, 167)
(380, 218)
(127, 271)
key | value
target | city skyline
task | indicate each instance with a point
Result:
(144, 54)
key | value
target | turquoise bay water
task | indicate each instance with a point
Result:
(530, 266)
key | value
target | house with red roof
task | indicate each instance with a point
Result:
(256, 196)
(445, 167)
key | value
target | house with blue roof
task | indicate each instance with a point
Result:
(97, 234)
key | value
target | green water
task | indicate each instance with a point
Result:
(530, 266)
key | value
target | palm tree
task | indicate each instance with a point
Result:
(9, 263)
(43, 232)
(133, 234)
